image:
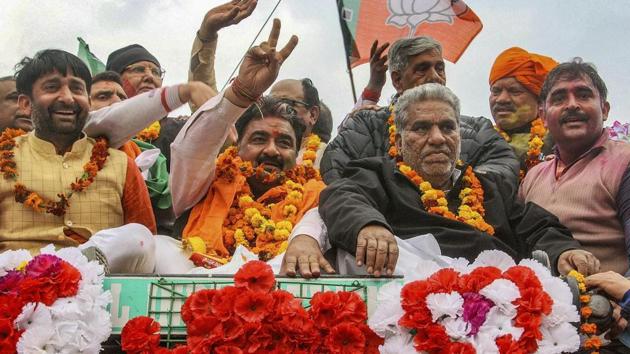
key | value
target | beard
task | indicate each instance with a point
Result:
(44, 122)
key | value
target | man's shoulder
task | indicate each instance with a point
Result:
(367, 118)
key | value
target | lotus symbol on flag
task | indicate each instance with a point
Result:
(412, 13)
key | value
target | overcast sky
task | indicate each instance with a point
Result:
(562, 29)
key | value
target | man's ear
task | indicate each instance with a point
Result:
(606, 109)
(24, 104)
(315, 110)
(396, 81)
(398, 139)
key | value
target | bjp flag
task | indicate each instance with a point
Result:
(450, 22)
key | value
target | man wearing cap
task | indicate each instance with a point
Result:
(141, 71)
(516, 78)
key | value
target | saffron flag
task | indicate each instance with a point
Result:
(95, 64)
(450, 22)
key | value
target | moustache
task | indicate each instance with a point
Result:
(573, 116)
(504, 107)
(270, 161)
(446, 152)
(59, 106)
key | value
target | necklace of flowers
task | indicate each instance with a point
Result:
(470, 211)
(391, 128)
(537, 133)
(249, 221)
(588, 329)
(33, 200)
(150, 133)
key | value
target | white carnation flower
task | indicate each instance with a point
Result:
(502, 292)
(442, 304)
(384, 320)
(399, 344)
(561, 339)
(493, 258)
(10, 260)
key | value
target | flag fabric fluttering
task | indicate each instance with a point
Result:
(450, 22)
(95, 64)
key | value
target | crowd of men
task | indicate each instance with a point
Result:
(244, 169)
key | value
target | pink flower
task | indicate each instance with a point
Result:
(476, 309)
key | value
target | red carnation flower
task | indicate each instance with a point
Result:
(413, 295)
(10, 307)
(222, 304)
(67, 279)
(479, 278)
(431, 337)
(41, 289)
(444, 281)
(8, 336)
(345, 338)
(535, 301)
(140, 335)
(255, 276)
(231, 328)
(523, 277)
(202, 333)
(351, 308)
(197, 305)
(228, 349)
(42, 265)
(459, 348)
(507, 345)
(324, 307)
(253, 306)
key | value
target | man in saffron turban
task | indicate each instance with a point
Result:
(516, 78)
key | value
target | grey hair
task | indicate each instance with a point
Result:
(402, 49)
(422, 93)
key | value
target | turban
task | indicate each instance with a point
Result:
(121, 58)
(529, 69)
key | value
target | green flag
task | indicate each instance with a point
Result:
(96, 66)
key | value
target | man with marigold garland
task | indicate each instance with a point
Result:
(254, 193)
(515, 80)
(60, 186)
(426, 192)
(587, 183)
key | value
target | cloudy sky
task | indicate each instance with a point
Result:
(563, 29)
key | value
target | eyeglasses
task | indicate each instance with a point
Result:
(157, 73)
(293, 103)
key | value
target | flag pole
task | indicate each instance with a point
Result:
(346, 38)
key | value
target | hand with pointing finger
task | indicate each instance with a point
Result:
(260, 68)
(377, 249)
(378, 67)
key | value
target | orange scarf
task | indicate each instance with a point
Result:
(207, 217)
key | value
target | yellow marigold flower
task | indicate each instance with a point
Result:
(536, 143)
(294, 197)
(430, 194)
(309, 155)
(404, 169)
(239, 236)
(307, 163)
(244, 201)
(392, 129)
(249, 212)
(289, 210)
(442, 202)
(257, 220)
(464, 192)
(284, 225)
(281, 234)
(425, 186)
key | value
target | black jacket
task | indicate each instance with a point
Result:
(373, 191)
(366, 135)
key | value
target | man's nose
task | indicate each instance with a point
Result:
(503, 96)
(434, 77)
(436, 137)
(65, 95)
(271, 149)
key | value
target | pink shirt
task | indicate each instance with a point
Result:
(584, 198)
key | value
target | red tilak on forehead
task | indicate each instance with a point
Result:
(275, 133)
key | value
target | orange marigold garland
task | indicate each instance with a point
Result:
(249, 221)
(32, 199)
(150, 133)
(588, 329)
(391, 128)
(470, 211)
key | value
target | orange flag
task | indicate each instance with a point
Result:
(450, 22)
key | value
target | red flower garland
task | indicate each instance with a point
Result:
(252, 317)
